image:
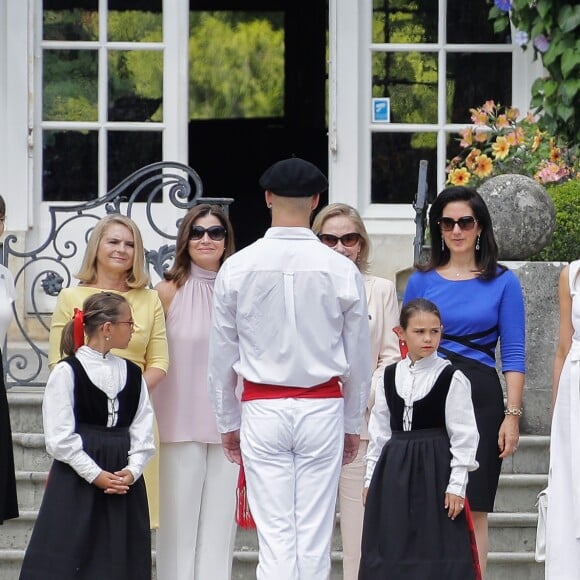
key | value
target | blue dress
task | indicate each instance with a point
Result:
(475, 314)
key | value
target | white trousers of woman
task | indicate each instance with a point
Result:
(350, 491)
(292, 453)
(196, 536)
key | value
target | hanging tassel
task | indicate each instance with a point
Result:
(244, 517)
(402, 344)
(78, 328)
(474, 553)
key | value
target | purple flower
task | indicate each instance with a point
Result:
(521, 37)
(504, 5)
(542, 43)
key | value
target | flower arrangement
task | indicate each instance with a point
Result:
(499, 142)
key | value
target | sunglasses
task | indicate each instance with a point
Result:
(215, 233)
(348, 240)
(467, 222)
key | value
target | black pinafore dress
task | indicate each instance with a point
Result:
(407, 534)
(81, 532)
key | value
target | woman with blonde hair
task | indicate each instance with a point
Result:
(114, 261)
(340, 227)
(197, 482)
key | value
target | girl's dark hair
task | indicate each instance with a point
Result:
(181, 267)
(415, 306)
(97, 309)
(2, 206)
(487, 255)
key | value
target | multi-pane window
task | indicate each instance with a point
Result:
(101, 84)
(434, 60)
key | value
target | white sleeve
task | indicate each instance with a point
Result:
(356, 341)
(462, 431)
(141, 432)
(223, 356)
(379, 430)
(62, 442)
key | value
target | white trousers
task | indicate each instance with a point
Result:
(196, 536)
(350, 491)
(292, 453)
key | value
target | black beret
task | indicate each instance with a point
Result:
(294, 177)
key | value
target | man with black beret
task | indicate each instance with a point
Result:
(290, 317)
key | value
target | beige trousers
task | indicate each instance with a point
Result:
(351, 512)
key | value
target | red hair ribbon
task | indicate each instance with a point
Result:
(78, 328)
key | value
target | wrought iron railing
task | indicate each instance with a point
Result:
(46, 269)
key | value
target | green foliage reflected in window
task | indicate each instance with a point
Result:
(70, 91)
(135, 25)
(410, 80)
(135, 85)
(404, 21)
(78, 23)
(236, 65)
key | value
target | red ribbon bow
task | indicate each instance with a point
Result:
(78, 328)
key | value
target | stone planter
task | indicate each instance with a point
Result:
(522, 213)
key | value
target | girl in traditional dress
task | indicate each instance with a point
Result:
(98, 424)
(423, 441)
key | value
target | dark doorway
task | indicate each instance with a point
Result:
(270, 106)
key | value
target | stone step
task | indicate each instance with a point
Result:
(30, 486)
(513, 566)
(30, 452)
(532, 456)
(25, 409)
(512, 532)
(517, 493)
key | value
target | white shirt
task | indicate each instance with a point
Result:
(289, 311)
(413, 382)
(109, 374)
(7, 297)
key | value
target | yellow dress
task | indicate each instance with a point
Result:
(148, 349)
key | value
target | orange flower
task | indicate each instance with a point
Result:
(502, 122)
(481, 136)
(459, 176)
(500, 148)
(466, 137)
(488, 107)
(555, 154)
(537, 141)
(478, 116)
(483, 166)
(530, 118)
(516, 137)
(470, 159)
(512, 113)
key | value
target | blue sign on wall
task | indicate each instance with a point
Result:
(381, 110)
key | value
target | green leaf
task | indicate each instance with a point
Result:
(564, 111)
(569, 60)
(537, 29)
(550, 87)
(543, 7)
(569, 88)
(500, 24)
(569, 18)
(495, 12)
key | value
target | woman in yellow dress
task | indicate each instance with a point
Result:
(114, 261)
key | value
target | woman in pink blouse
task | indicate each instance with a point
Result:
(197, 482)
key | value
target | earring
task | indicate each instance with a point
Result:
(107, 338)
(442, 245)
(477, 244)
(269, 206)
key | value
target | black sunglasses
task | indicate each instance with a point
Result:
(215, 233)
(348, 240)
(467, 222)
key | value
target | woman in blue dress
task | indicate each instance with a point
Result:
(480, 302)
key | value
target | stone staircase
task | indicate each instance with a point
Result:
(512, 527)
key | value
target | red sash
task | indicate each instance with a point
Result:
(328, 390)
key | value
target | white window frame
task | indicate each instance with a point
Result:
(350, 93)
